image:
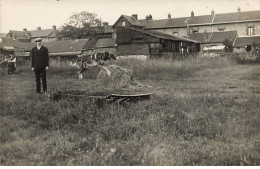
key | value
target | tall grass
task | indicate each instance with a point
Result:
(142, 69)
(171, 70)
(183, 125)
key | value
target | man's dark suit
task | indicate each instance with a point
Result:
(40, 59)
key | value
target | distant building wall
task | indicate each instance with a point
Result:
(241, 28)
(133, 49)
(108, 49)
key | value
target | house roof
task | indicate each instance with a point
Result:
(110, 42)
(20, 34)
(153, 24)
(237, 16)
(3, 34)
(201, 37)
(90, 44)
(203, 19)
(108, 29)
(246, 40)
(43, 33)
(176, 22)
(161, 35)
(6, 42)
(65, 45)
(130, 19)
(219, 37)
(195, 20)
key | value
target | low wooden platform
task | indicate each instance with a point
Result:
(119, 98)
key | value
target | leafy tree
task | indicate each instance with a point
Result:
(228, 45)
(80, 25)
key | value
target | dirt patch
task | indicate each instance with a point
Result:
(119, 78)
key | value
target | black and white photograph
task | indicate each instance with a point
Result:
(129, 83)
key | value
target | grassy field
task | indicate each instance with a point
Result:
(204, 112)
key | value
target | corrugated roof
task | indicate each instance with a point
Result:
(7, 41)
(248, 40)
(43, 33)
(161, 35)
(90, 44)
(219, 37)
(65, 45)
(237, 16)
(105, 43)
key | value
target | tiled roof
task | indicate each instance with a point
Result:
(201, 37)
(195, 20)
(219, 37)
(237, 16)
(65, 45)
(203, 19)
(153, 24)
(246, 40)
(176, 22)
(43, 33)
(110, 42)
(7, 41)
(20, 34)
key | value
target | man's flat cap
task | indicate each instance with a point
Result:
(38, 40)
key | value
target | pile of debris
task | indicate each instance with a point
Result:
(120, 78)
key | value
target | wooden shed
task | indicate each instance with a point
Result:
(134, 41)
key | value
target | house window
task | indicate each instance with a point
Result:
(250, 31)
(123, 23)
(248, 48)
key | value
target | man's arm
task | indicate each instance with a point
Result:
(31, 55)
(47, 53)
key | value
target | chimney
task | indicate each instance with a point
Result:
(192, 14)
(38, 28)
(212, 12)
(150, 17)
(135, 16)
(238, 9)
(105, 23)
(54, 27)
(24, 29)
(169, 16)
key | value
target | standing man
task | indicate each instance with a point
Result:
(40, 64)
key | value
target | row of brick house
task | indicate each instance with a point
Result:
(132, 36)
(242, 29)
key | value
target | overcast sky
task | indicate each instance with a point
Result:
(30, 14)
